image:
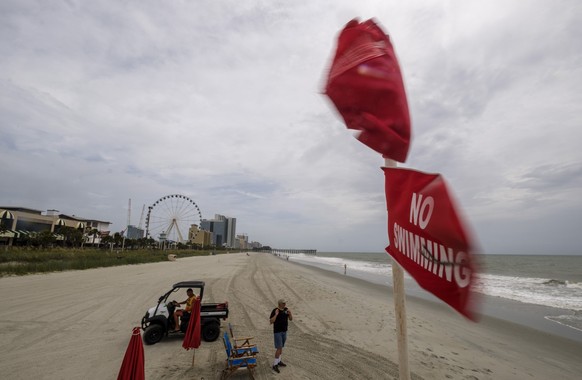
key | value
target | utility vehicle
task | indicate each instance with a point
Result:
(158, 321)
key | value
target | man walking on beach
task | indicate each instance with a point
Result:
(279, 319)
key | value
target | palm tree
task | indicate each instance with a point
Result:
(45, 238)
(3, 226)
(107, 242)
(94, 232)
(75, 236)
(61, 230)
(117, 238)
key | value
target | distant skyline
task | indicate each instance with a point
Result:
(222, 102)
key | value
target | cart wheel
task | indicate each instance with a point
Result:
(153, 334)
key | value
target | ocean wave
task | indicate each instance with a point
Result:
(551, 292)
(573, 321)
(539, 291)
(553, 282)
(339, 264)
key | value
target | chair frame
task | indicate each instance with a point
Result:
(236, 360)
(246, 344)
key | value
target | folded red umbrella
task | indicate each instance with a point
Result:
(132, 367)
(192, 337)
(365, 85)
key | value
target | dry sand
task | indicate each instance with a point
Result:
(77, 325)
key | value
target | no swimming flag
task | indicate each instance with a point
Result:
(428, 237)
(365, 85)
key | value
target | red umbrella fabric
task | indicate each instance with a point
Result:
(192, 337)
(132, 367)
(365, 85)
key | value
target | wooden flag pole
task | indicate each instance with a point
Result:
(399, 308)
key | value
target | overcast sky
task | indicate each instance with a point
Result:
(221, 101)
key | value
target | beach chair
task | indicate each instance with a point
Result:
(241, 345)
(234, 361)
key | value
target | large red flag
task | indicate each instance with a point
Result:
(428, 238)
(365, 84)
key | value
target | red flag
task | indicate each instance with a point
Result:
(192, 337)
(428, 237)
(132, 367)
(365, 84)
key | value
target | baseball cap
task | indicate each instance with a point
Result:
(281, 301)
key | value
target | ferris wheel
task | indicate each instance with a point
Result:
(170, 218)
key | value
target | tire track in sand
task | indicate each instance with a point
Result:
(301, 299)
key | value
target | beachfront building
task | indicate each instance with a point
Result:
(223, 230)
(255, 245)
(217, 228)
(95, 231)
(19, 222)
(241, 242)
(230, 231)
(134, 232)
(198, 236)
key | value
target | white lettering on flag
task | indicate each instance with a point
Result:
(435, 258)
(421, 208)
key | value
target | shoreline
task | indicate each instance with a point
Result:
(80, 322)
(529, 315)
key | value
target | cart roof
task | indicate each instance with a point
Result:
(189, 284)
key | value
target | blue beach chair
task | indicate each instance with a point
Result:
(234, 361)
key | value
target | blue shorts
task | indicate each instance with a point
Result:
(280, 339)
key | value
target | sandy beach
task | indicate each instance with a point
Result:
(77, 325)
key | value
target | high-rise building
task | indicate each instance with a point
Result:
(242, 242)
(218, 229)
(134, 232)
(223, 230)
(230, 231)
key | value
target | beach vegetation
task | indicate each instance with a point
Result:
(27, 259)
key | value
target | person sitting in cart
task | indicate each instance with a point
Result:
(180, 312)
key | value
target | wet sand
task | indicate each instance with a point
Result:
(76, 325)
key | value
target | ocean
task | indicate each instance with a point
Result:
(546, 284)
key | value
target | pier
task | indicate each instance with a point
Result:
(293, 251)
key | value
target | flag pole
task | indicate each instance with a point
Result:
(399, 307)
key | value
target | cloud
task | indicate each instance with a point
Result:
(221, 102)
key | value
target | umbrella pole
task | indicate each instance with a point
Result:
(399, 308)
(193, 357)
